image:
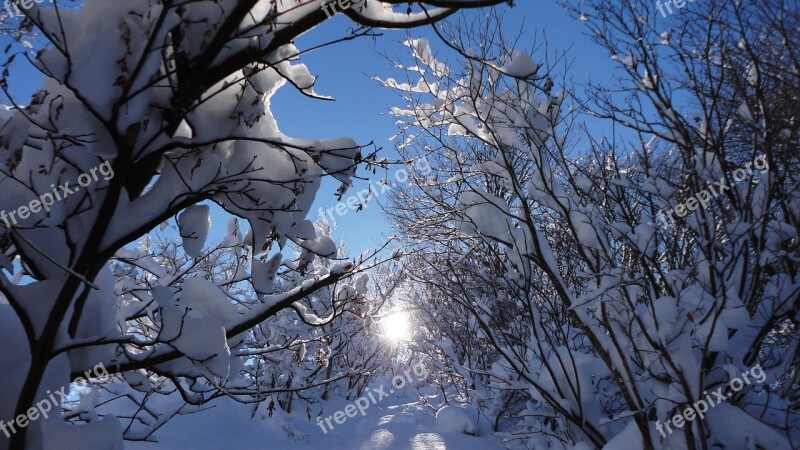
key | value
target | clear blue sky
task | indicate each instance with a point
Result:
(345, 71)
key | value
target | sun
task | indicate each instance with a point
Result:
(396, 326)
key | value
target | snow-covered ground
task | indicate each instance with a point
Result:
(392, 424)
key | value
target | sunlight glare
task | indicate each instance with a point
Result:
(396, 326)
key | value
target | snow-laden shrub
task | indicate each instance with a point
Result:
(455, 419)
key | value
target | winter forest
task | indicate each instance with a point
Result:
(400, 225)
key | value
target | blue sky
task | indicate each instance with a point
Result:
(345, 71)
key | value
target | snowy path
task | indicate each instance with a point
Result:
(401, 427)
(389, 425)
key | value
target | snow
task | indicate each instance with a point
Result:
(194, 223)
(628, 439)
(734, 428)
(627, 61)
(263, 273)
(205, 299)
(14, 365)
(520, 65)
(454, 419)
(392, 424)
(485, 214)
(649, 81)
(199, 338)
(105, 434)
(322, 246)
